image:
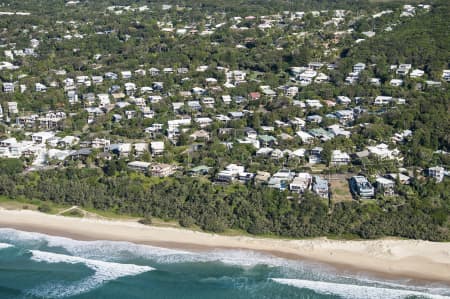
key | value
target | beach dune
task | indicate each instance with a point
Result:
(413, 259)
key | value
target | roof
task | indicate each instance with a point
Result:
(139, 164)
(200, 168)
(320, 182)
(267, 138)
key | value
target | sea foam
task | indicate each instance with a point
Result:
(5, 245)
(351, 291)
(103, 272)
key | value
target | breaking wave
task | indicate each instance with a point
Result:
(351, 291)
(5, 245)
(103, 272)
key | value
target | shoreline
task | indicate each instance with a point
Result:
(420, 261)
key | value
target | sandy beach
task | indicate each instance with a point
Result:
(413, 259)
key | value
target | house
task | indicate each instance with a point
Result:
(236, 114)
(72, 97)
(267, 139)
(301, 182)
(208, 102)
(97, 80)
(396, 82)
(436, 172)
(204, 121)
(403, 69)
(291, 91)
(262, 177)
(81, 154)
(375, 81)
(446, 75)
(343, 100)
(385, 186)
(8, 142)
(254, 96)
(345, 116)
(199, 170)
(402, 178)
(336, 130)
(314, 104)
(130, 88)
(359, 67)
(361, 187)
(416, 73)
(153, 71)
(281, 179)
(122, 149)
(305, 137)
(321, 78)
(83, 80)
(126, 75)
(139, 166)
(111, 76)
(245, 177)
(8, 87)
(194, 105)
(222, 118)
(200, 135)
(383, 100)
(140, 72)
(100, 143)
(317, 119)
(12, 108)
(239, 99)
(211, 81)
(39, 87)
(339, 158)
(157, 147)
(297, 122)
(315, 155)
(382, 151)
(140, 148)
(42, 137)
(231, 172)
(264, 152)
(320, 186)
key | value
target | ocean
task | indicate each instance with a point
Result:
(35, 265)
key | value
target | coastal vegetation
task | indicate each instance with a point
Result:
(257, 210)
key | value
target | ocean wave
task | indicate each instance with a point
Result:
(119, 251)
(354, 291)
(103, 272)
(129, 253)
(5, 245)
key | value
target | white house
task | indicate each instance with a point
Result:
(12, 107)
(42, 137)
(436, 172)
(357, 68)
(396, 82)
(416, 73)
(301, 182)
(8, 87)
(403, 69)
(382, 151)
(383, 100)
(39, 87)
(339, 158)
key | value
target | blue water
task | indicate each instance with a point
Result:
(39, 266)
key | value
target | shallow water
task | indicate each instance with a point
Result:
(35, 265)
